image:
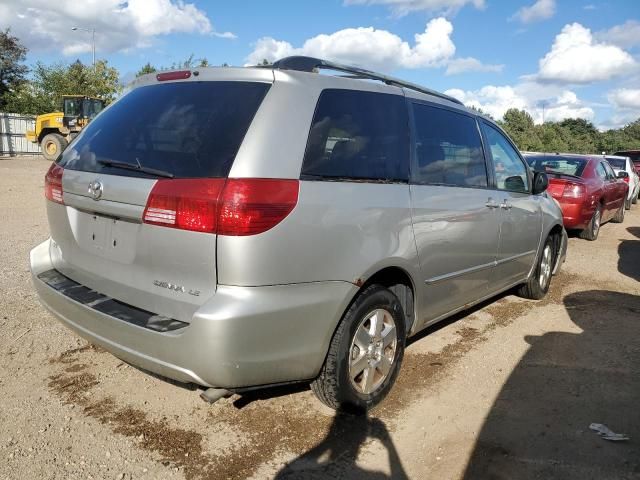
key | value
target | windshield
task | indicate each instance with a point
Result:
(619, 163)
(189, 129)
(91, 108)
(558, 165)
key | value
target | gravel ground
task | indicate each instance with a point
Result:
(506, 390)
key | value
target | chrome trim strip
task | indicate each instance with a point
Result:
(478, 268)
(459, 273)
(515, 257)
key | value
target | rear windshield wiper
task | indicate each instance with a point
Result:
(139, 168)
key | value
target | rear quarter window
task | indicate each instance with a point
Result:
(358, 135)
(189, 129)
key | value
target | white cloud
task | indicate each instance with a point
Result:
(470, 64)
(496, 100)
(404, 7)
(119, 25)
(626, 35)
(575, 57)
(540, 10)
(628, 98)
(369, 47)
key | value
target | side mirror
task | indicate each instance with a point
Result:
(623, 174)
(540, 182)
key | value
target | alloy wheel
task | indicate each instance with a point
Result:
(372, 351)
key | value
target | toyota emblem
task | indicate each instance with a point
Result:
(95, 189)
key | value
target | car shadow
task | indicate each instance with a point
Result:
(538, 426)
(335, 457)
(629, 255)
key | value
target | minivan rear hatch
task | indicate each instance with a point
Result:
(176, 139)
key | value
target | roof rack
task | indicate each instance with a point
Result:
(310, 64)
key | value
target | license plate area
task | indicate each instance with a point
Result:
(105, 236)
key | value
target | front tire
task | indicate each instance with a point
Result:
(365, 353)
(627, 204)
(538, 285)
(52, 145)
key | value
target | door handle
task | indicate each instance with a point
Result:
(506, 205)
(491, 203)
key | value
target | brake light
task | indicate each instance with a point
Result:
(573, 190)
(187, 204)
(233, 207)
(53, 184)
(255, 205)
(626, 179)
(177, 75)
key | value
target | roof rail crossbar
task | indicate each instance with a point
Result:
(309, 64)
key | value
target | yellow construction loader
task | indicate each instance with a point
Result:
(55, 130)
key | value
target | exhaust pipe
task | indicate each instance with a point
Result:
(212, 395)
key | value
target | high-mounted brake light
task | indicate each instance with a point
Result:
(53, 184)
(177, 75)
(233, 207)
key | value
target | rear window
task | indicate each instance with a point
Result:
(556, 164)
(619, 163)
(634, 156)
(358, 135)
(189, 129)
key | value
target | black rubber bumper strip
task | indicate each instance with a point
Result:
(107, 305)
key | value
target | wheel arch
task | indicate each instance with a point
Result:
(400, 282)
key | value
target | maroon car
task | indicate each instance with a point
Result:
(586, 187)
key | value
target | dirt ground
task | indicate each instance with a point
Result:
(505, 391)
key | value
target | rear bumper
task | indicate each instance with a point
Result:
(241, 337)
(576, 216)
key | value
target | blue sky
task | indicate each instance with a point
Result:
(575, 57)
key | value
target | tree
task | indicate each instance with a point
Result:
(147, 68)
(519, 125)
(43, 92)
(12, 71)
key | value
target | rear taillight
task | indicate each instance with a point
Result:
(187, 204)
(254, 205)
(573, 190)
(626, 179)
(234, 207)
(53, 184)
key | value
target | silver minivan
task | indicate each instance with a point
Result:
(245, 227)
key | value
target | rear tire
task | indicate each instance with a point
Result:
(634, 200)
(365, 353)
(591, 232)
(619, 216)
(538, 284)
(53, 144)
(627, 204)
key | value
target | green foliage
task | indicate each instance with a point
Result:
(190, 62)
(148, 68)
(12, 70)
(48, 83)
(573, 135)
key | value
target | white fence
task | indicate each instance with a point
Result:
(12, 140)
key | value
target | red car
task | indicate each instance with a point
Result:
(586, 187)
